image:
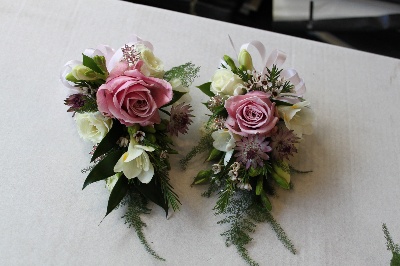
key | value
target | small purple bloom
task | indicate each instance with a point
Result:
(283, 143)
(252, 150)
(75, 101)
(180, 119)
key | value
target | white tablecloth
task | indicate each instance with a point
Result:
(333, 216)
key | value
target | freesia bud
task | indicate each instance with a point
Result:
(230, 63)
(81, 72)
(245, 59)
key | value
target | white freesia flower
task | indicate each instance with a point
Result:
(227, 83)
(136, 163)
(225, 140)
(153, 66)
(92, 126)
(298, 117)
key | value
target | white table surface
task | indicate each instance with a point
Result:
(333, 216)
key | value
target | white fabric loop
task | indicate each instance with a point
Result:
(65, 70)
(276, 58)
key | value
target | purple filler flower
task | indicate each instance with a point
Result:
(75, 101)
(283, 143)
(252, 150)
(180, 119)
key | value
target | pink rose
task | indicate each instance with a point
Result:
(132, 97)
(252, 113)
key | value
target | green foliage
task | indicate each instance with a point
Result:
(90, 63)
(117, 194)
(287, 87)
(242, 73)
(168, 190)
(395, 260)
(212, 188)
(258, 214)
(152, 191)
(104, 169)
(110, 140)
(273, 75)
(186, 73)
(89, 106)
(224, 198)
(137, 205)
(294, 170)
(240, 225)
(242, 213)
(204, 144)
(159, 190)
(206, 89)
(394, 248)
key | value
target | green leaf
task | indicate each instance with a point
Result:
(117, 194)
(186, 73)
(220, 111)
(230, 63)
(395, 260)
(259, 186)
(206, 89)
(109, 141)
(280, 180)
(153, 192)
(254, 171)
(214, 155)
(283, 170)
(104, 169)
(282, 103)
(176, 96)
(265, 201)
(90, 63)
(203, 177)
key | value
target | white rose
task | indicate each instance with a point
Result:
(227, 83)
(225, 140)
(298, 117)
(92, 126)
(153, 66)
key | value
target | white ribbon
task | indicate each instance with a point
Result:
(277, 58)
(65, 70)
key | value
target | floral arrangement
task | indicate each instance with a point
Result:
(257, 120)
(119, 101)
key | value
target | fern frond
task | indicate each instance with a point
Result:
(137, 205)
(204, 144)
(186, 73)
